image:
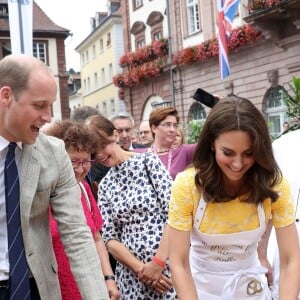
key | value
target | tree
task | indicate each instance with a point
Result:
(194, 129)
(292, 102)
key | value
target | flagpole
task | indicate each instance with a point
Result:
(170, 54)
(21, 26)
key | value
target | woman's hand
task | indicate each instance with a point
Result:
(113, 290)
(265, 263)
(150, 272)
(163, 284)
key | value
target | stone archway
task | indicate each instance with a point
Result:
(152, 101)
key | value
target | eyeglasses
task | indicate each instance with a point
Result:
(127, 130)
(144, 132)
(169, 125)
(84, 163)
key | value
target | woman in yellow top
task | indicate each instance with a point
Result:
(220, 207)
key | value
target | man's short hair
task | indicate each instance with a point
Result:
(83, 112)
(122, 115)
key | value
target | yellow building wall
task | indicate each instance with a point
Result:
(99, 94)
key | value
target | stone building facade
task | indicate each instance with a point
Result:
(259, 71)
(48, 46)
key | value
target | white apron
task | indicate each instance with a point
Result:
(226, 266)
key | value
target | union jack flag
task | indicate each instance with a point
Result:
(226, 12)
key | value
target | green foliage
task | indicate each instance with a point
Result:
(293, 101)
(194, 129)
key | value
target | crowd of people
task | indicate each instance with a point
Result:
(100, 212)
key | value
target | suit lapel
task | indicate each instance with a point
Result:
(30, 173)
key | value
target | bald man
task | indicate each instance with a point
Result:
(145, 133)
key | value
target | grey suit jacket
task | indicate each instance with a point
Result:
(47, 180)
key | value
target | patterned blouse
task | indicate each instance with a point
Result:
(134, 198)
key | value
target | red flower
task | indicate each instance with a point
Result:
(240, 37)
(146, 63)
(148, 53)
(263, 4)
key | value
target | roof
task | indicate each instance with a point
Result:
(104, 17)
(41, 22)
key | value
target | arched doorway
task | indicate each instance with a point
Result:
(152, 101)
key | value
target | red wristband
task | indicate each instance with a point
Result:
(159, 262)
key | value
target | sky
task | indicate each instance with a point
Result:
(74, 16)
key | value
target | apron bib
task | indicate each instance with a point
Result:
(226, 266)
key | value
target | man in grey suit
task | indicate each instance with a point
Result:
(46, 179)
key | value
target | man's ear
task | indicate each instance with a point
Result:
(5, 95)
(116, 136)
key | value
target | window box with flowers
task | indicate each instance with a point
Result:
(135, 75)
(240, 37)
(145, 54)
(147, 63)
(259, 5)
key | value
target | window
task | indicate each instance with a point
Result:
(39, 51)
(138, 30)
(197, 112)
(101, 45)
(193, 16)
(5, 48)
(140, 44)
(275, 110)
(112, 105)
(104, 108)
(85, 86)
(95, 80)
(103, 77)
(110, 72)
(87, 56)
(155, 22)
(94, 51)
(3, 10)
(108, 41)
(157, 36)
(88, 85)
(82, 59)
(137, 3)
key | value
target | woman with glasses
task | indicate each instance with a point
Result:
(80, 144)
(164, 124)
(134, 198)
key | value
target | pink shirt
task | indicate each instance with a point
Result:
(68, 286)
(180, 157)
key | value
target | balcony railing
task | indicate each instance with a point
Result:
(156, 104)
(276, 19)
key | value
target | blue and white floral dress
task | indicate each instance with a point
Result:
(135, 209)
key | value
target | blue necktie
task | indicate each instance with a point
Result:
(18, 268)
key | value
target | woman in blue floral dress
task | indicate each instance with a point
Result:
(134, 198)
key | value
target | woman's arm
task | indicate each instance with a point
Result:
(106, 267)
(124, 256)
(289, 253)
(152, 270)
(179, 245)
